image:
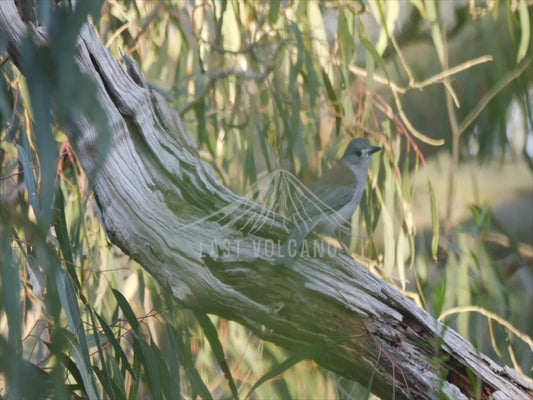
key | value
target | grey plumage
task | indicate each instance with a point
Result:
(333, 199)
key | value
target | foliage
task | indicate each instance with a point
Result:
(262, 86)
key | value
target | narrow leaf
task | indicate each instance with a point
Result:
(185, 358)
(525, 32)
(149, 362)
(29, 178)
(80, 350)
(116, 345)
(211, 334)
(434, 222)
(61, 230)
(375, 55)
(307, 353)
(127, 310)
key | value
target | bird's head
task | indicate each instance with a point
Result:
(359, 152)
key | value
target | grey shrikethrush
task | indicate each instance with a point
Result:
(333, 199)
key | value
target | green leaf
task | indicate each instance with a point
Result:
(69, 301)
(29, 178)
(434, 222)
(174, 366)
(263, 141)
(273, 12)
(61, 230)
(345, 33)
(307, 353)
(250, 171)
(110, 386)
(104, 375)
(41, 385)
(387, 213)
(319, 39)
(211, 334)
(127, 311)
(133, 393)
(118, 376)
(10, 302)
(6, 100)
(230, 29)
(37, 62)
(332, 94)
(375, 55)
(525, 29)
(387, 17)
(436, 32)
(116, 345)
(165, 377)
(151, 367)
(439, 295)
(33, 264)
(185, 358)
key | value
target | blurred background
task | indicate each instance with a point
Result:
(444, 87)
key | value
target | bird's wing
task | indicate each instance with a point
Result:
(335, 189)
(334, 197)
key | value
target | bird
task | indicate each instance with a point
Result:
(332, 199)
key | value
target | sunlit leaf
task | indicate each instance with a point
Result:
(525, 30)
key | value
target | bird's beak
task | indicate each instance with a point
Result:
(374, 149)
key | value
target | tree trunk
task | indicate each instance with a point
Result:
(161, 205)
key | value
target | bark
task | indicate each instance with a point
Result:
(159, 204)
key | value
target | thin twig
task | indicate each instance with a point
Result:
(456, 310)
(452, 71)
(416, 133)
(438, 78)
(511, 76)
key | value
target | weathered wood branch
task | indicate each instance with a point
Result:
(156, 197)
